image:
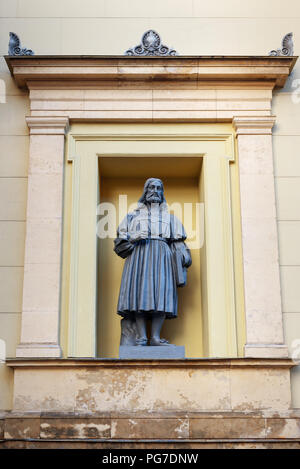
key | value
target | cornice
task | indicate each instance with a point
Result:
(93, 69)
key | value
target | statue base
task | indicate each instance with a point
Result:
(151, 352)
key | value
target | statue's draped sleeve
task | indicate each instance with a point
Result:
(123, 247)
(182, 258)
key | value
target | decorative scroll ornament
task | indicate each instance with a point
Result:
(287, 46)
(151, 45)
(14, 46)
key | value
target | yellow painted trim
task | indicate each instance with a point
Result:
(214, 134)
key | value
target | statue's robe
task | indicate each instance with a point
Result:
(152, 241)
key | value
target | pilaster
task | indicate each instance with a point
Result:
(42, 266)
(264, 323)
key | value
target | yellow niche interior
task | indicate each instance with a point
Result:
(187, 167)
(186, 329)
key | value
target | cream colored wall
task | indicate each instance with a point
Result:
(193, 27)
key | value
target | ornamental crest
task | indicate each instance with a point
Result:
(151, 45)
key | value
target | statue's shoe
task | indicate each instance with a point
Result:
(141, 342)
(159, 342)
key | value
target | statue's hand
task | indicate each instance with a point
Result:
(187, 258)
(123, 247)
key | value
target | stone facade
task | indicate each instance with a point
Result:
(51, 396)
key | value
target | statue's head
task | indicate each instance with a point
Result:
(153, 192)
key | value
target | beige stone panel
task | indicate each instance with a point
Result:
(47, 30)
(46, 155)
(183, 105)
(110, 94)
(8, 8)
(266, 350)
(41, 350)
(57, 105)
(44, 196)
(257, 196)
(288, 198)
(14, 156)
(96, 105)
(227, 428)
(287, 112)
(286, 155)
(290, 278)
(13, 195)
(264, 327)
(247, 95)
(228, 115)
(147, 389)
(13, 114)
(41, 287)
(18, 428)
(146, 428)
(262, 277)
(118, 105)
(56, 94)
(43, 241)
(92, 428)
(6, 387)
(289, 242)
(134, 105)
(185, 115)
(259, 155)
(292, 337)
(263, 389)
(10, 328)
(118, 94)
(260, 241)
(185, 95)
(101, 115)
(159, 390)
(12, 243)
(39, 327)
(11, 283)
(39, 389)
(282, 428)
(247, 105)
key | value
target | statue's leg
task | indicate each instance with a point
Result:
(156, 325)
(141, 325)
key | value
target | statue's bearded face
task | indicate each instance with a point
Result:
(154, 192)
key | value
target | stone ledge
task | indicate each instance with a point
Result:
(152, 444)
(136, 429)
(146, 363)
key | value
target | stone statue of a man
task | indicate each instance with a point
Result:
(152, 241)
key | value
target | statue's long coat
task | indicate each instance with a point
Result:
(148, 239)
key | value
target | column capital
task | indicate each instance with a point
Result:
(253, 125)
(45, 125)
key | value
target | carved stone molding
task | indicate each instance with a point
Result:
(151, 45)
(287, 46)
(14, 46)
(256, 125)
(41, 125)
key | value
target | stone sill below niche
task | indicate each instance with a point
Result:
(163, 363)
